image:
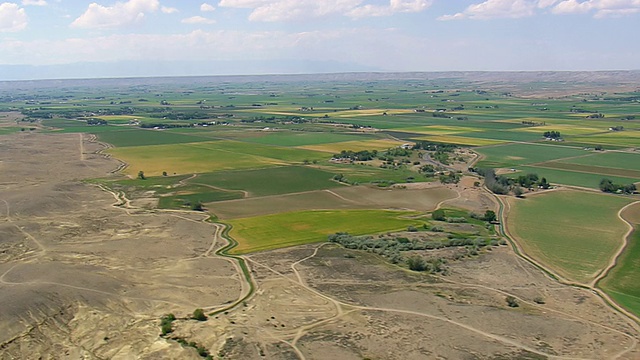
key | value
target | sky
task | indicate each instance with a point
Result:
(49, 38)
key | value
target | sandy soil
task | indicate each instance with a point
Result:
(81, 278)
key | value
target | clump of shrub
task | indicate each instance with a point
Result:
(512, 301)
(198, 314)
(438, 215)
(166, 324)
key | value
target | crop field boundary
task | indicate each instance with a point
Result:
(606, 299)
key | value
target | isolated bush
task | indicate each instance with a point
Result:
(416, 263)
(438, 215)
(199, 315)
(512, 301)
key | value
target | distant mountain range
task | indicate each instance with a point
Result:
(538, 84)
(172, 68)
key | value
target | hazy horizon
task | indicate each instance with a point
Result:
(51, 39)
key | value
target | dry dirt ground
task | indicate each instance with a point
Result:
(80, 278)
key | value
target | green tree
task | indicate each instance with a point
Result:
(543, 183)
(517, 191)
(438, 215)
(489, 216)
(416, 263)
(141, 175)
(197, 206)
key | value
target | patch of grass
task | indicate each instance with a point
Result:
(574, 233)
(335, 148)
(460, 140)
(623, 282)
(627, 138)
(207, 157)
(270, 181)
(205, 195)
(143, 137)
(609, 159)
(298, 138)
(511, 155)
(296, 228)
(566, 177)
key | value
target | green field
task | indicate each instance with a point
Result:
(305, 138)
(610, 159)
(270, 181)
(144, 137)
(574, 178)
(623, 282)
(575, 233)
(207, 157)
(296, 228)
(511, 155)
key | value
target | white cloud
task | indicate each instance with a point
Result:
(198, 20)
(283, 10)
(168, 10)
(393, 7)
(12, 17)
(207, 7)
(34, 2)
(492, 9)
(119, 14)
(601, 8)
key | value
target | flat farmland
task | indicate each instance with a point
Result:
(564, 129)
(630, 138)
(296, 228)
(504, 135)
(574, 233)
(623, 281)
(207, 157)
(461, 140)
(291, 138)
(609, 159)
(335, 148)
(343, 197)
(574, 178)
(511, 155)
(438, 129)
(590, 169)
(281, 180)
(143, 137)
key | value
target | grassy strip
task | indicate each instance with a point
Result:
(623, 282)
(224, 252)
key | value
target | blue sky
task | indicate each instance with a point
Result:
(386, 35)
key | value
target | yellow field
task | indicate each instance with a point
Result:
(438, 129)
(207, 157)
(336, 114)
(335, 148)
(563, 129)
(461, 140)
(623, 138)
